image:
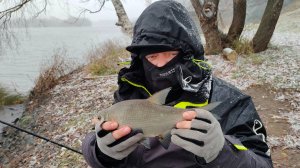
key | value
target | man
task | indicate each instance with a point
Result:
(167, 52)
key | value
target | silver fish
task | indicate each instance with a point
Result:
(149, 115)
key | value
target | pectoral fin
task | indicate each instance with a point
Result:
(166, 140)
(145, 142)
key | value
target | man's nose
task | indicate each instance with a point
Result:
(161, 61)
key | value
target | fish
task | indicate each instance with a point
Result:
(148, 115)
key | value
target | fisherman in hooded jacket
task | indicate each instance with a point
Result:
(230, 135)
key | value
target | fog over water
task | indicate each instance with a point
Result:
(19, 67)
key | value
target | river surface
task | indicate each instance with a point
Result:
(20, 66)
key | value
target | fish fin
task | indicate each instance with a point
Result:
(145, 142)
(211, 106)
(166, 140)
(160, 97)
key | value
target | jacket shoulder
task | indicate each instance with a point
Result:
(222, 90)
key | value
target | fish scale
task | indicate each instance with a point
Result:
(152, 118)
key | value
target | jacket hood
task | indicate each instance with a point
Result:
(166, 24)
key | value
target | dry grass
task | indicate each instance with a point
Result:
(255, 59)
(243, 46)
(7, 98)
(51, 74)
(104, 60)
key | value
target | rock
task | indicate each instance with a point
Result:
(280, 98)
(230, 54)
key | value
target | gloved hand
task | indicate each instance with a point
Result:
(116, 148)
(199, 133)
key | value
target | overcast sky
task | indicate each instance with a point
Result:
(62, 9)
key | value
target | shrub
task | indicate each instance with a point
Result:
(243, 46)
(7, 98)
(104, 60)
(51, 74)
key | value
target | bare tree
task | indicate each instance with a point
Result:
(12, 8)
(216, 40)
(207, 13)
(206, 10)
(238, 21)
(267, 25)
(6, 14)
(123, 19)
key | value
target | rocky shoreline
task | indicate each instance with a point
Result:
(10, 114)
(63, 117)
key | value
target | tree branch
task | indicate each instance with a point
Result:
(5, 15)
(42, 10)
(7, 35)
(101, 2)
(13, 9)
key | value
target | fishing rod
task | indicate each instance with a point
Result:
(41, 137)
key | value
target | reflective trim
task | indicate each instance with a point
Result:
(206, 66)
(240, 147)
(124, 63)
(183, 105)
(136, 85)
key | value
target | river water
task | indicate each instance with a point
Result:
(20, 66)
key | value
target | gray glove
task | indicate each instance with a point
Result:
(205, 138)
(117, 149)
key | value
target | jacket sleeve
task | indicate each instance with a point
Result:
(244, 131)
(237, 155)
(94, 157)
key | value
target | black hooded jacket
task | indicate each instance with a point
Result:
(167, 24)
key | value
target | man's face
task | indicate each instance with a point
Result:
(162, 58)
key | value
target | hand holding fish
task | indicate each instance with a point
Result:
(114, 141)
(200, 133)
(117, 133)
(186, 123)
